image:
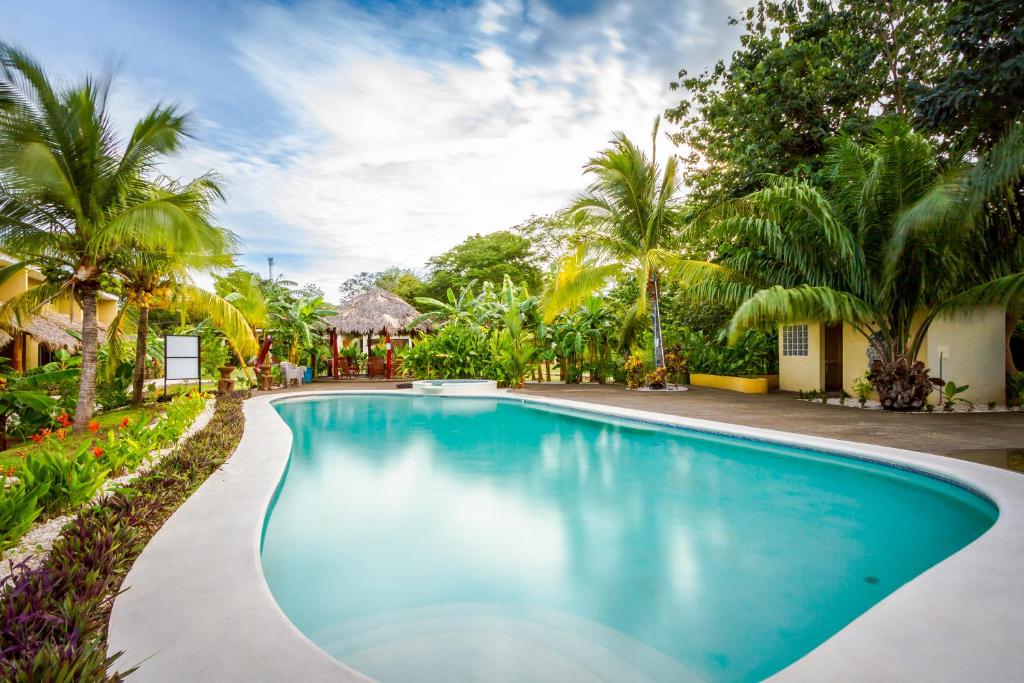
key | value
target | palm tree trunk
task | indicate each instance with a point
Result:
(90, 337)
(659, 346)
(139, 378)
(547, 370)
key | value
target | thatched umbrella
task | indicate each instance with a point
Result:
(374, 312)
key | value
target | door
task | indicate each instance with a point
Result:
(833, 358)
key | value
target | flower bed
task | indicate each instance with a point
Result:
(52, 480)
(53, 617)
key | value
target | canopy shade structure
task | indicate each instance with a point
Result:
(375, 311)
(50, 330)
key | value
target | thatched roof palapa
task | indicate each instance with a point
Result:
(375, 311)
(50, 330)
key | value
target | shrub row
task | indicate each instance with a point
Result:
(52, 480)
(53, 618)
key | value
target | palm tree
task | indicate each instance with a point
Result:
(634, 204)
(886, 248)
(163, 279)
(72, 196)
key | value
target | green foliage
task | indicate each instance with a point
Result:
(483, 258)
(981, 92)
(633, 204)
(70, 480)
(25, 401)
(456, 351)
(78, 196)
(19, 508)
(754, 353)
(805, 72)
(893, 239)
(401, 281)
(112, 392)
(951, 395)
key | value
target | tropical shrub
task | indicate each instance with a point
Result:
(19, 508)
(25, 404)
(754, 353)
(456, 351)
(70, 480)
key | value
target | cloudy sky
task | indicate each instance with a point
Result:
(360, 135)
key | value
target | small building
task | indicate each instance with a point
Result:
(371, 317)
(33, 342)
(966, 349)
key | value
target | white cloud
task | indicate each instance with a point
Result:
(411, 131)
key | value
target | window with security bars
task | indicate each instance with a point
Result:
(794, 340)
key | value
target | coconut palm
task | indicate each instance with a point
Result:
(72, 195)
(163, 280)
(886, 248)
(634, 205)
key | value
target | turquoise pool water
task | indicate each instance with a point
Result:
(421, 538)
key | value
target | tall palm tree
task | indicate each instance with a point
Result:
(887, 247)
(163, 279)
(72, 195)
(634, 205)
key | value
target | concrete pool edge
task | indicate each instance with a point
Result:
(197, 606)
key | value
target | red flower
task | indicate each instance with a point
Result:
(97, 452)
(94, 426)
(37, 438)
(61, 433)
(64, 420)
(125, 422)
(45, 432)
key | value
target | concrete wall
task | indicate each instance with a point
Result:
(804, 373)
(972, 352)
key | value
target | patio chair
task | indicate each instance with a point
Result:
(348, 367)
(290, 373)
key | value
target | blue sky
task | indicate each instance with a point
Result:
(360, 135)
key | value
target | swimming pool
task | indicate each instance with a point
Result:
(424, 538)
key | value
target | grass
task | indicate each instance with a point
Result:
(108, 420)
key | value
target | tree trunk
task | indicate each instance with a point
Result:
(547, 371)
(1012, 318)
(659, 350)
(90, 337)
(139, 377)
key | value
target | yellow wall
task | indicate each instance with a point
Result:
(804, 373)
(17, 284)
(972, 350)
(106, 309)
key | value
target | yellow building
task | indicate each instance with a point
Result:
(966, 349)
(33, 342)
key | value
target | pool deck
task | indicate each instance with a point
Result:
(197, 607)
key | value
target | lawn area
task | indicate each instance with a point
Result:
(107, 420)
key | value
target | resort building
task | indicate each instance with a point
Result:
(966, 349)
(58, 325)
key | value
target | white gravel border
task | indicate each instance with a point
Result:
(197, 606)
(37, 541)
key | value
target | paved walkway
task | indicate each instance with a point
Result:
(991, 438)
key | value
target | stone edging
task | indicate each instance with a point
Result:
(198, 608)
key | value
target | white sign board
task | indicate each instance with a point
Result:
(181, 357)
